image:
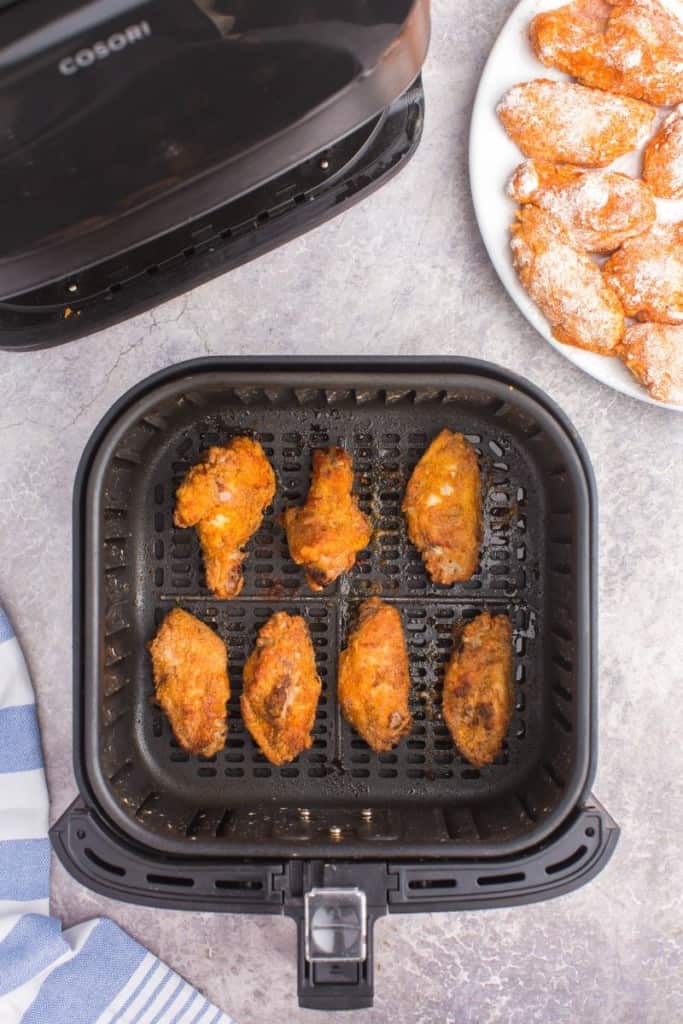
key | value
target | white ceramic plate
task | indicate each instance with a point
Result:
(493, 157)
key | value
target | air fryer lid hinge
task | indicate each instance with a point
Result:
(335, 906)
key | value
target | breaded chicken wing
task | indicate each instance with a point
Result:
(281, 688)
(647, 274)
(190, 667)
(565, 283)
(374, 676)
(225, 496)
(562, 122)
(598, 209)
(663, 161)
(630, 47)
(478, 697)
(654, 355)
(326, 533)
(443, 508)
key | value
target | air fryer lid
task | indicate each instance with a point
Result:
(111, 107)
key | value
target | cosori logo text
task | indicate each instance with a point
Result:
(104, 48)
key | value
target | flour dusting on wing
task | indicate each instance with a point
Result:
(654, 355)
(565, 283)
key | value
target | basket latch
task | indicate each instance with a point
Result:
(335, 905)
(336, 930)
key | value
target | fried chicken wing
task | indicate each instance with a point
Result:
(654, 355)
(598, 209)
(562, 122)
(565, 283)
(190, 667)
(326, 533)
(443, 508)
(647, 274)
(630, 47)
(374, 676)
(663, 161)
(225, 496)
(478, 696)
(281, 688)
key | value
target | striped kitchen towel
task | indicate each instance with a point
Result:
(90, 974)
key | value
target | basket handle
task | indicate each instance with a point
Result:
(335, 948)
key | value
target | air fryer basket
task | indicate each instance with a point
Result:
(338, 801)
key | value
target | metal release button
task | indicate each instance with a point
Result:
(336, 925)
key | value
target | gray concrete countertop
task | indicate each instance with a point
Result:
(403, 273)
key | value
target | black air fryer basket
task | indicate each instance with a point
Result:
(342, 835)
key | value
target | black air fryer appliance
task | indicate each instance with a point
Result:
(149, 145)
(342, 835)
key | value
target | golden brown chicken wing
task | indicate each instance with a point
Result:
(190, 667)
(630, 47)
(326, 533)
(443, 508)
(478, 697)
(374, 676)
(225, 496)
(565, 283)
(598, 209)
(654, 355)
(663, 161)
(562, 122)
(281, 688)
(647, 274)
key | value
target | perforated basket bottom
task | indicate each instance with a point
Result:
(425, 762)
(148, 566)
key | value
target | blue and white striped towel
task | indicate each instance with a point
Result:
(90, 974)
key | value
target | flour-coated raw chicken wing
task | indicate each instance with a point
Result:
(374, 676)
(654, 355)
(663, 159)
(326, 533)
(281, 688)
(225, 496)
(562, 122)
(190, 667)
(443, 508)
(630, 47)
(565, 283)
(647, 274)
(598, 209)
(478, 696)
